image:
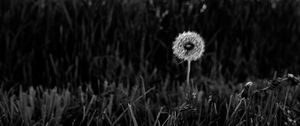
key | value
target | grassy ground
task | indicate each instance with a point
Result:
(110, 62)
(274, 102)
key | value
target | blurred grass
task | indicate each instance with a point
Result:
(81, 41)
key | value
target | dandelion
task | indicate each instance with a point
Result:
(188, 46)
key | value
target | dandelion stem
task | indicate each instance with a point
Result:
(188, 76)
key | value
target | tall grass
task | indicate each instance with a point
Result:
(118, 105)
(79, 41)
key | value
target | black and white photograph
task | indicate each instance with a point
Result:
(149, 62)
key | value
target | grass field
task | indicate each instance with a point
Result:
(110, 62)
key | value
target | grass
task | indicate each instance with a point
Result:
(120, 105)
(110, 62)
(57, 42)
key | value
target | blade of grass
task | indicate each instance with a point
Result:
(157, 117)
(132, 115)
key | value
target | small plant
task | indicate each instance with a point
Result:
(287, 80)
(188, 46)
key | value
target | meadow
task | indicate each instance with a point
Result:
(111, 63)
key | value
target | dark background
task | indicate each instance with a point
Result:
(56, 43)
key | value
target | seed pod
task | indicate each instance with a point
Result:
(188, 46)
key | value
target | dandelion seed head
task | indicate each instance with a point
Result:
(188, 46)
